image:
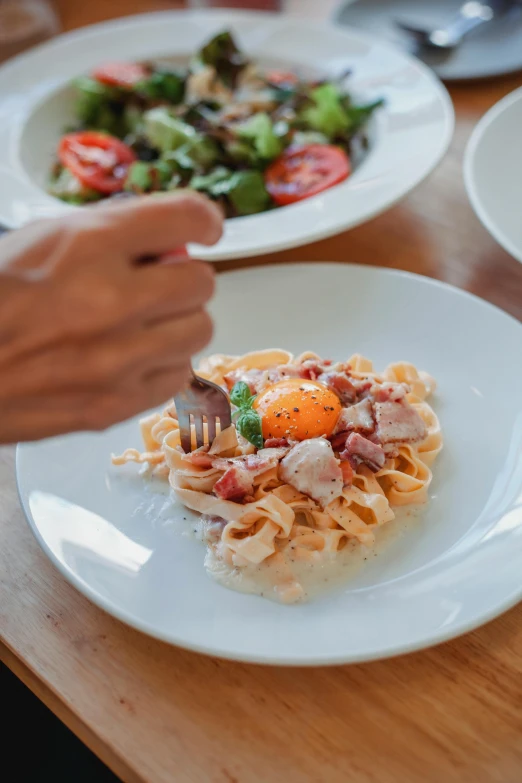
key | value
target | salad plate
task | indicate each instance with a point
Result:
(121, 538)
(403, 139)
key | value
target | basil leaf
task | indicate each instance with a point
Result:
(249, 426)
(240, 396)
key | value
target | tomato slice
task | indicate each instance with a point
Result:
(99, 161)
(120, 74)
(282, 78)
(301, 172)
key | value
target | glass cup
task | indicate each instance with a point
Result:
(25, 23)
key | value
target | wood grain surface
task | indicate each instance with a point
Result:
(157, 714)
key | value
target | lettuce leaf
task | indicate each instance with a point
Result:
(327, 113)
(164, 131)
(198, 154)
(68, 188)
(244, 189)
(259, 130)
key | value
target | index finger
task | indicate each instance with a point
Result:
(154, 225)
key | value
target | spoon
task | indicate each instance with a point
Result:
(471, 15)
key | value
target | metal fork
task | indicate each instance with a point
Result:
(470, 15)
(202, 401)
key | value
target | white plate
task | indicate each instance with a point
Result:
(409, 136)
(493, 49)
(493, 172)
(458, 567)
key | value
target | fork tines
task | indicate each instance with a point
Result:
(202, 402)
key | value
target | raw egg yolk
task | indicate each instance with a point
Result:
(297, 409)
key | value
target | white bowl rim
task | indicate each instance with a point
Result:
(312, 235)
(458, 629)
(469, 171)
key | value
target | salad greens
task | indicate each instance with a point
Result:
(222, 127)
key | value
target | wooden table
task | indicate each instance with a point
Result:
(159, 714)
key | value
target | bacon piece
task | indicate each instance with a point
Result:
(338, 441)
(362, 387)
(201, 460)
(359, 449)
(312, 369)
(276, 443)
(398, 422)
(254, 379)
(347, 471)
(384, 392)
(255, 464)
(356, 418)
(341, 385)
(235, 484)
(200, 457)
(285, 371)
(311, 467)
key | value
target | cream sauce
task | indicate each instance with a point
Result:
(326, 574)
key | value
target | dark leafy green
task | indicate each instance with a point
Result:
(163, 85)
(223, 54)
(99, 107)
(359, 115)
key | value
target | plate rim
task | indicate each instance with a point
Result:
(212, 254)
(393, 650)
(470, 153)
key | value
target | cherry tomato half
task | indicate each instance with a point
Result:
(282, 78)
(301, 172)
(99, 161)
(120, 74)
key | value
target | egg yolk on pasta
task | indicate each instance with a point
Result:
(297, 409)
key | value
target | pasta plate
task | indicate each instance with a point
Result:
(122, 540)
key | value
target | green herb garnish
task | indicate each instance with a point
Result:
(248, 421)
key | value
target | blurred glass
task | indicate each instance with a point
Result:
(25, 23)
(248, 5)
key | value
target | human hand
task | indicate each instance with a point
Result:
(88, 336)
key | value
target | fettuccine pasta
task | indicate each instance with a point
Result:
(320, 455)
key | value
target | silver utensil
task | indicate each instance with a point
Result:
(201, 402)
(470, 16)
